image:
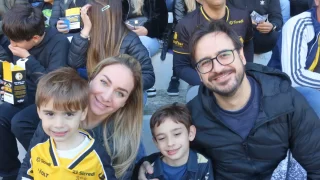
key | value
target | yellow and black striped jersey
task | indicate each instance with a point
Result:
(92, 163)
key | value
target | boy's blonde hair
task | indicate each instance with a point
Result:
(65, 87)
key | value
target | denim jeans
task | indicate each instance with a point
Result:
(312, 96)
(152, 44)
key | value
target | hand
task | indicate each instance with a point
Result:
(20, 52)
(140, 30)
(62, 27)
(264, 27)
(87, 25)
(144, 168)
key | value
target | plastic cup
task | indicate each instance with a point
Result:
(66, 21)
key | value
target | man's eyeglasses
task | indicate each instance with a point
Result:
(224, 58)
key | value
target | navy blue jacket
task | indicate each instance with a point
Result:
(198, 167)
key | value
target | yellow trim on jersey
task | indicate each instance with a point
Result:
(208, 19)
(316, 59)
(180, 52)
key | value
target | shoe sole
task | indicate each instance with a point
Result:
(173, 94)
(152, 94)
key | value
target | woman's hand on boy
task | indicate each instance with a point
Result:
(145, 168)
(87, 25)
(20, 52)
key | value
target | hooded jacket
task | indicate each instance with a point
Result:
(285, 121)
(50, 54)
(156, 12)
(130, 45)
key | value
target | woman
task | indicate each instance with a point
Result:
(108, 37)
(115, 112)
(59, 10)
(155, 14)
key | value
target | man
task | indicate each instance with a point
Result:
(265, 33)
(211, 10)
(299, 48)
(247, 118)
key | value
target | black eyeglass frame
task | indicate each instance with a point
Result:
(215, 58)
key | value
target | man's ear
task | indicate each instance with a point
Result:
(192, 132)
(36, 38)
(241, 56)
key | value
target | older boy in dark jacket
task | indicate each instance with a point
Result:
(45, 51)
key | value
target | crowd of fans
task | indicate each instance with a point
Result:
(40, 32)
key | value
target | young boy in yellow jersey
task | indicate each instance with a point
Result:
(65, 151)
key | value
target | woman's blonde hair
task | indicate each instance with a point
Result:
(137, 6)
(107, 33)
(127, 121)
(191, 5)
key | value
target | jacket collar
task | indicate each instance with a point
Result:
(272, 82)
(192, 165)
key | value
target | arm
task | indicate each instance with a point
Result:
(26, 166)
(77, 56)
(3, 54)
(57, 59)
(305, 136)
(184, 70)
(181, 55)
(179, 10)
(294, 52)
(275, 16)
(55, 15)
(140, 53)
(157, 18)
(248, 47)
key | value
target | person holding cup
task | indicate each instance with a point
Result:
(58, 15)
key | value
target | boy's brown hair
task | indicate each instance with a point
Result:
(65, 87)
(178, 113)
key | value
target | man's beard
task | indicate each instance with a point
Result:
(227, 92)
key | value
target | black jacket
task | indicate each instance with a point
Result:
(130, 45)
(59, 9)
(299, 6)
(3, 54)
(285, 121)
(156, 12)
(49, 55)
(198, 167)
(271, 7)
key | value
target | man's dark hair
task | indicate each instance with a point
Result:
(22, 22)
(176, 112)
(214, 26)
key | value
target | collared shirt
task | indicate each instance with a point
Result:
(238, 19)
(198, 167)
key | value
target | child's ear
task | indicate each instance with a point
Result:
(192, 132)
(38, 111)
(36, 38)
(84, 114)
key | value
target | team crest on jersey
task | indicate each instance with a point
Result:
(262, 2)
